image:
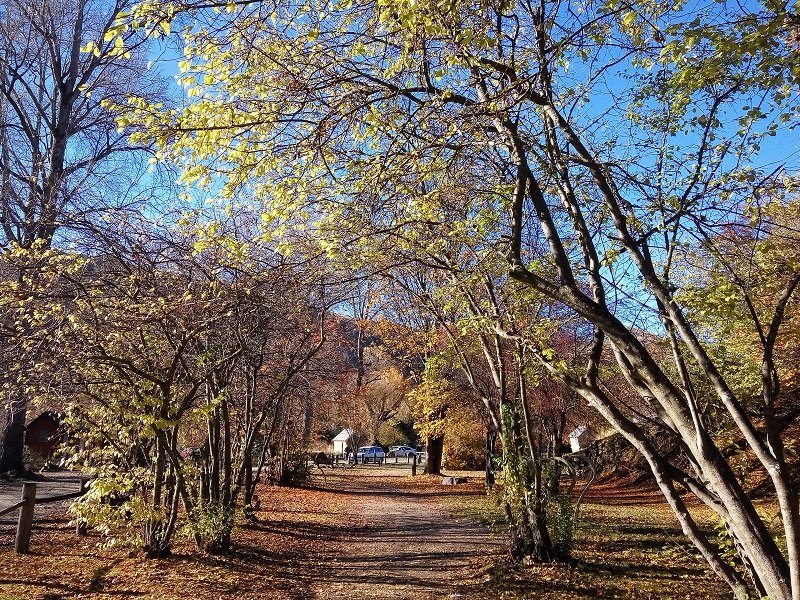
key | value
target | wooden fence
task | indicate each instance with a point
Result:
(26, 506)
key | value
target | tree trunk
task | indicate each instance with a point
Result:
(249, 485)
(491, 436)
(434, 447)
(12, 438)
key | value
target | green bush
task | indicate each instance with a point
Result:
(468, 457)
(298, 469)
(213, 524)
(33, 461)
(561, 524)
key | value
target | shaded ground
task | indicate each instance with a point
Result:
(364, 533)
(628, 544)
(403, 543)
(376, 533)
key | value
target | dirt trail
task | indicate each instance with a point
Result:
(364, 534)
(407, 546)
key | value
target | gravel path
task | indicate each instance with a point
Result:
(55, 483)
(408, 547)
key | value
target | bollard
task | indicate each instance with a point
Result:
(414, 465)
(25, 518)
(80, 524)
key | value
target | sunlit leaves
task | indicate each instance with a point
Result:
(732, 292)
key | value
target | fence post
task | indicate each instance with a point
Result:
(25, 518)
(80, 524)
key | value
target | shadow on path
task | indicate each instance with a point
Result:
(406, 545)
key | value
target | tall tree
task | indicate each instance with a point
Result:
(62, 160)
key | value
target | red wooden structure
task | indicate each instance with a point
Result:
(42, 435)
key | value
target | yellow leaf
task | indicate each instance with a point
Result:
(629, 19)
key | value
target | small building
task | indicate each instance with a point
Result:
(581, 437)
(342, 440)
(43, 436)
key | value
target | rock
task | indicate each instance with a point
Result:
(453, 480)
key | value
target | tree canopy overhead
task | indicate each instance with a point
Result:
(583, 149)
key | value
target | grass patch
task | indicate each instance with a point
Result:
(628, 544)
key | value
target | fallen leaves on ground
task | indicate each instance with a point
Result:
(273, 558)
(628, 546)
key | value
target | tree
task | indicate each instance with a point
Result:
(372, 382)
(391, 106)
(736, 280)
(413, 336)
(166, 340)
(263, 341)
(63, 163)
(431, 402)
(384, 393)
(472, 308)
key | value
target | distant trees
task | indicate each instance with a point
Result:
(412, 332)
(382, 397)
(368, 360)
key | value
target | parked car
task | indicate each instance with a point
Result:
(370, 454)
(402, 451)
